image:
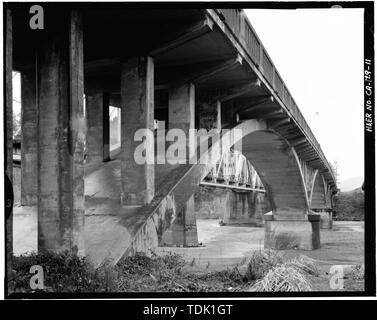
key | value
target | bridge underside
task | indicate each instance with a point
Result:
(183, 67)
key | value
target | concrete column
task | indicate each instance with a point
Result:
(61, 135)
(183, 231)
(212, 203)
(97, 141)
(209, 115)
(8, 133)
(182, 107)
(181, 104)
(246, 208)
(8, 107)
(29, 159)
(137, 95)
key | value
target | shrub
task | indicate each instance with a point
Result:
(357, 272)
(63, 272)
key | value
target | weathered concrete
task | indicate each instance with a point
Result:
(292, 234)
(212, 203)
(137, 94)
(231, 207)
(97, 138)
(183, 231)
(208, 115)
(247, 207)
(61, 139)
(29, 156)
(8, 131)
(182, 107)
(326, 218)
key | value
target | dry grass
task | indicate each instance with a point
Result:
(261, 262)
(304, 264)
(282, 278)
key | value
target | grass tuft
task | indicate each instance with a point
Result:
(282, 278)
(261, 262)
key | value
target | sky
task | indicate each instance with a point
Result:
(319, 54)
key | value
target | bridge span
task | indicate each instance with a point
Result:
(193, 69)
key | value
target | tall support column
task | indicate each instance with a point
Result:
(106, 127)
(182, 107)
(9, 96)
(8, 132)
(209, 115)
(29, 159)
(97, 110)
(183, 231)
(61, 135)
(137, 95)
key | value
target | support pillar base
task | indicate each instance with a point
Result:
(183, 231)
(292, 234)
(326, 219)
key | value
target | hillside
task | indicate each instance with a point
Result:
(349, 205)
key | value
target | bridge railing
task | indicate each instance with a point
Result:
(240, 26)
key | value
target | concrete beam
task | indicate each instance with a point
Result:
(137, 94)
(29, 152)
(190, 33)
(274, 124)
(260, 102)
(61, 137)
(237, 91)
(298, 141)
(259, 114)
(204, 73)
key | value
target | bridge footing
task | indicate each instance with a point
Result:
(326, 219)
(183, 231)
(292, 234)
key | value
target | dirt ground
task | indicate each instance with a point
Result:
(228, 246)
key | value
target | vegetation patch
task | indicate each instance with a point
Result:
(349, 206)
(65, 272)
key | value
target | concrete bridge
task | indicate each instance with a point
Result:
(192, 68)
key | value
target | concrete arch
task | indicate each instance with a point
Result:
(288, 226)
(279, 168)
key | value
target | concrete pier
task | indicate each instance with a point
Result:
(97, 140)
(29, 154)
(61, 140)
(137, 94)
(183, 232)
